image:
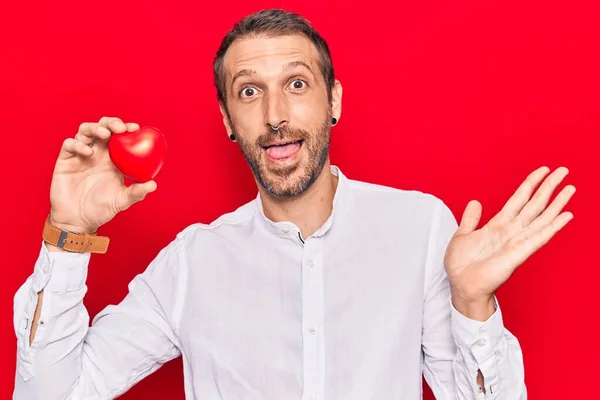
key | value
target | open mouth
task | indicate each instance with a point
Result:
(283, 150)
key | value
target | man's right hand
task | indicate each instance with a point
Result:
(87, 190)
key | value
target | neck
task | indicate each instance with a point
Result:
(309, 210)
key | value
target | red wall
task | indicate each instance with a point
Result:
(459, 99)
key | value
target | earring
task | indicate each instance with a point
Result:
(334, 121)
(232, 137)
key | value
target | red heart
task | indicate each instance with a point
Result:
(138, 155)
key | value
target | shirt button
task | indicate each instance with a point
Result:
(312, 397)
(312, 330)
(481, 342)
(45, 269)
(286, 230)
(311, 262)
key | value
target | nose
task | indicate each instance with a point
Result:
(276, 110)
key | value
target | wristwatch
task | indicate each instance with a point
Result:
(74, 242)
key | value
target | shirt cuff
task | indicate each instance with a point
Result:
(60, 271)
(480, 338)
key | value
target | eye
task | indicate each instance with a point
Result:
(248, 92)
(298, 84)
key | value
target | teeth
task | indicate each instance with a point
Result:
(283, 144)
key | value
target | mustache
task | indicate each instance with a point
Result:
(284, 133)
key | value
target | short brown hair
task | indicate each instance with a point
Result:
(272, 23)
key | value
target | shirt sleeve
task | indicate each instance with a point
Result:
(456, 348)
(68, 358)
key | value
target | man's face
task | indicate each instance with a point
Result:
(278, 82)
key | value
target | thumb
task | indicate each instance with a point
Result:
(136, 192)
(470, 218)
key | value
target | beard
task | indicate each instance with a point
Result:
(291, 180)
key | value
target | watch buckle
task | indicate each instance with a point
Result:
(62, 239)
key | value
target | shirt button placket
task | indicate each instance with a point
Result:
(313, 310)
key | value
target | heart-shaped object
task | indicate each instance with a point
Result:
(138, 155)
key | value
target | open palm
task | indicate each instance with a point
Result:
(479, 261)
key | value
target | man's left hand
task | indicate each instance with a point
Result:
(479, 261)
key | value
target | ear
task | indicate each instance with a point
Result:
(336, 100)
(228, 128)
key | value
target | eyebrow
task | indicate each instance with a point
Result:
(291, 65)
(295, 64)
(241, 73)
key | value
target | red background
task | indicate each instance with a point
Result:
(459, 99)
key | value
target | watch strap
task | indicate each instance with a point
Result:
(74, 241)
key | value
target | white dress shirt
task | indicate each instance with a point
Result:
(359, 310)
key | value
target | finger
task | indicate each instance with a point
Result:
(555, 208)
(540, 200)
(115, 125)
(84, 134)
(138, 191)
(135, 193)
(470, 218)
(90, 131)
(529, 243)
(132, 127)
(72, 147)
(517, 201)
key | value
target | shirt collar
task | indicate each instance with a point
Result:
(289, 229)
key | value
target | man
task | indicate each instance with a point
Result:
(322, 287)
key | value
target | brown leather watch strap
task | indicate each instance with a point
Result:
(73, 241)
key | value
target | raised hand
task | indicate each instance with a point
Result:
(87, 191)
(479, 261)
